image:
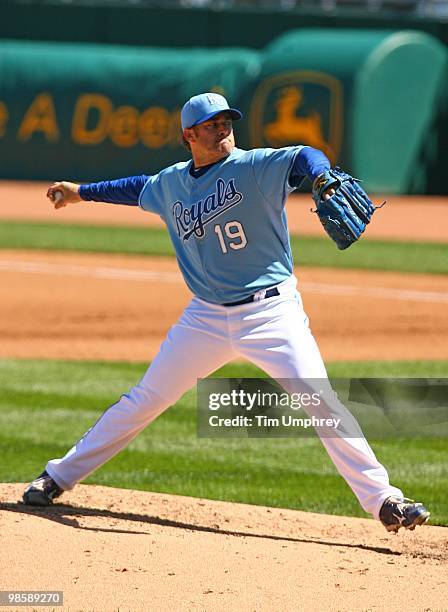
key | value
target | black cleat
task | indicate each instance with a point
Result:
(396, 513)
(42, 491)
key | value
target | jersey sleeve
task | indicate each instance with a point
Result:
(308, 162)
(120, 191)
(272, 168)
(152, 195)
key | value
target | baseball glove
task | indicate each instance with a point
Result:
(345, 214)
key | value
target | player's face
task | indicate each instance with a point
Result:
(212, 140)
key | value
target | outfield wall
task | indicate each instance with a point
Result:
(372, 100)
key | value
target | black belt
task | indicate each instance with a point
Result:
(269, 293)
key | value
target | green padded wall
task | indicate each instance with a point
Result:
(399, 97)
(370, 99)
(97, 111)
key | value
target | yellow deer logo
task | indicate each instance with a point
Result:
(289, 128)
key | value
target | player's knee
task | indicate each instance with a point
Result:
(143, 401)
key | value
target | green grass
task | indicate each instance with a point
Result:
(84, 238)
(367, 254)
(422, 257)
(46, 405)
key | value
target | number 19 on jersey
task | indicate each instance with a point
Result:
(233, 236)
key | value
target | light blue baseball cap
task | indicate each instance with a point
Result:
(205, 106)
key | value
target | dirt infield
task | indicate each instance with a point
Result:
(85, 306)
(111, 549)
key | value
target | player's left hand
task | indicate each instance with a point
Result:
(343, 207)
(326, 195)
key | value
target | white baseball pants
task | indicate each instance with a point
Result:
(274, 334)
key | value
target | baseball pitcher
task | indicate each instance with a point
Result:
(225, 213)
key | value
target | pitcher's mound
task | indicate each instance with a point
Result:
(115, 549)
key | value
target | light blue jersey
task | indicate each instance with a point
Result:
(228, 226)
